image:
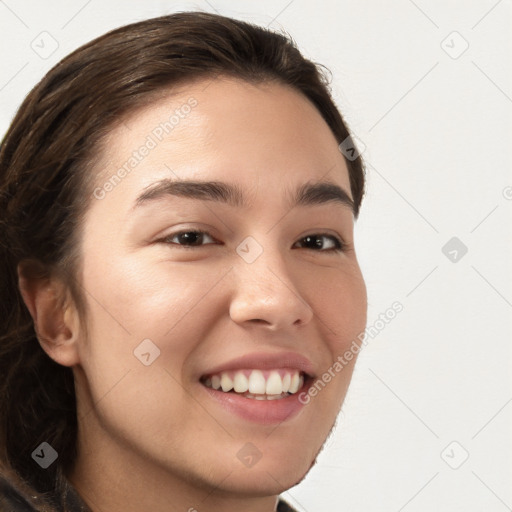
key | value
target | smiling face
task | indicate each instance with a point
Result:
(193, 287)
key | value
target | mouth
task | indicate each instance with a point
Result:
(265, 397)
(263, 388)
(256, 384)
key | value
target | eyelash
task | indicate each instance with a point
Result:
(340, 245)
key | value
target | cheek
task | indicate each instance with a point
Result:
(132, 301)
(138, 299)
(145, 322)
(342, 313)
(341, 305)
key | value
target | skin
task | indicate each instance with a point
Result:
(149, 438)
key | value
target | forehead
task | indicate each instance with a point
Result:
(222, 128)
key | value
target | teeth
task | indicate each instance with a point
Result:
(286, 382)
(226, 382)
(296, 383)
(266, 397)
(215, 382)
(241, 383)
(274, 384)
(257, 384)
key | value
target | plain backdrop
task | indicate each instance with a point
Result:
(426, 88)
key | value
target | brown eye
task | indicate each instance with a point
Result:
(187, 238)
(316, 242)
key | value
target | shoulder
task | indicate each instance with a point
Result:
(282, 506)
(12, 498)
(17, 496)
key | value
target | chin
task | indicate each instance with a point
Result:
(264, 480)
(276, 471)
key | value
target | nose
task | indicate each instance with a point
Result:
(266, 294)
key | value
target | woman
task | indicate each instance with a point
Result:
(178, 272)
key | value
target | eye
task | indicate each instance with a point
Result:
(315, 242)
(194, 238)
(187, 238)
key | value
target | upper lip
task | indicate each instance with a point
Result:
(266, 361)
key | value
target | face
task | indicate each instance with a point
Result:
(190, 289)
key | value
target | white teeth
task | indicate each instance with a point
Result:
(241, 382)
(265, 397)
(295, 384)
(274, 384)
(286, 382)
(226, 382)
(215, 382)
(257, 382)
(253, 384)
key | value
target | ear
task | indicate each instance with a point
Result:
(55, 317)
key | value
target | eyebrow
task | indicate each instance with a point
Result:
(307, 194)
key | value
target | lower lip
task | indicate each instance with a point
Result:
(265, 412)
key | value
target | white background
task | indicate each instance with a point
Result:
(437, 132)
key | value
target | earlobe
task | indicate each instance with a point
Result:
(55, 317)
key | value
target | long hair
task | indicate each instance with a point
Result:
(46, 183)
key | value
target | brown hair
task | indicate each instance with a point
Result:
(45, 187)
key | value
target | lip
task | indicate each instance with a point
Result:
(266, 361)
(264, 412)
